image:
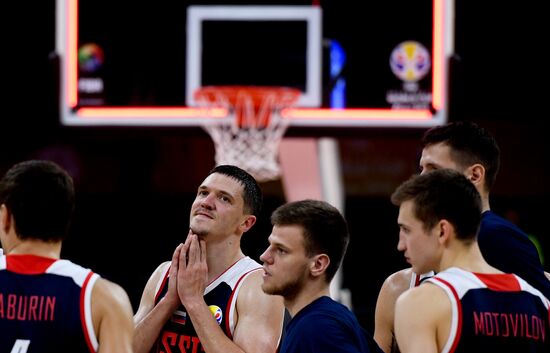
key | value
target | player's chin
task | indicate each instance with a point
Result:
(200, 226)
(268, 289)
(266, 280)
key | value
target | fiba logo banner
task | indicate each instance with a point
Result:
(91, 86)
(217, 312)
(90, 58)
(410, 62)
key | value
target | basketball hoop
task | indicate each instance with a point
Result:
(251, 135)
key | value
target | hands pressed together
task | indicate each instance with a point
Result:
(188, 272)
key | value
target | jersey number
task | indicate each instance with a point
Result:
(21, 346)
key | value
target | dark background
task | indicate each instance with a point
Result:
(135, 185)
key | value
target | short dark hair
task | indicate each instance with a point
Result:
(252, 193)
(325, 229)
(470, 144)
(443, 194)
(40, 196)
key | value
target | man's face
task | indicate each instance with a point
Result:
(286, 264)
(218, 207)
(420, 247)
(437, 156)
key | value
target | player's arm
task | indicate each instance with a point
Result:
(393, 286)
(260, 317)
(259, 322)
(150, 318)
(422, 319)
(112, 317)
(192, 278)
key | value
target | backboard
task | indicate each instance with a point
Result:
(125, 63)
(241, 45)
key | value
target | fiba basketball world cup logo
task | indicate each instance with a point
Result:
(410, 62)
(217, 312)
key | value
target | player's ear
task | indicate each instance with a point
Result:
(5, 218)
(247, 223)
(476, 174)
(319, 264)
(445, 229)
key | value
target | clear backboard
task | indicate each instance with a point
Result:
(357, 65)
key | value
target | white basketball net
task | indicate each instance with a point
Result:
(254, 143)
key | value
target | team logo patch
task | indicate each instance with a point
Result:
(217, 312)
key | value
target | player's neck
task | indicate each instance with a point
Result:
(222, 255)
(35, 247)
(467, 257)
(309, 292)
(485, 203)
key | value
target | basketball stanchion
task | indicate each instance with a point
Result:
(251, 134)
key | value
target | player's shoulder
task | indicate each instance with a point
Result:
(494, 223)
(252, 301)
(250, 287)
(253, 278)
(398, 281)
(158, 275)
(244, 271)
(110, 298)
(163, 267)
(161, 270)
(403, 275)
(421, 295)
(110, 289)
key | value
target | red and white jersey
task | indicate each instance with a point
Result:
(45, 305)
(416, 279)
(494, 313)
(178, 334)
